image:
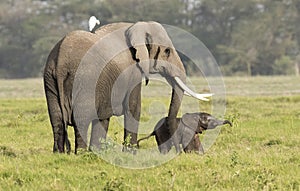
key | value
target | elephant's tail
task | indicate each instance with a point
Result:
(60, 86)
(138, 142)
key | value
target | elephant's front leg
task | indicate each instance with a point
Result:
(194, 145)
(81, 135)
(99, 132)
(132, 117)
(188, 138)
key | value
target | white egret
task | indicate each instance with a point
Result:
(93, 22)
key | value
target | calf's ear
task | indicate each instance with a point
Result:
(191, 120)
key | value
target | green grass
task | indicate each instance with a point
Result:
(260, 152)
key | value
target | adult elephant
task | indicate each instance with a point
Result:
(93, 76)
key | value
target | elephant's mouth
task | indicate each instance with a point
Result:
(189, 92)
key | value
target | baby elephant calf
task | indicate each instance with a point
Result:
(189, 126)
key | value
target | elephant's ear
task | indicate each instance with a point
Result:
(139, 38)
(191, 120)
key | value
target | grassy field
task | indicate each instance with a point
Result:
(260, 152)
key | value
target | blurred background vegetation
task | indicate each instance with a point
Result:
(253, 37)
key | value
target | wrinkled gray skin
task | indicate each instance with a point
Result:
(149, 50)
(189, 126)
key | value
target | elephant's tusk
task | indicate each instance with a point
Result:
(189, 92)
(199, 96)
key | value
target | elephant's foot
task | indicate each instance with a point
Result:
(80, 145)
(95, 145)
(80, 140)
(99, 145)
(68, 146)
(55, 148)
(59, 142)
(201, 149)
(130, 149)
(79, 151)
(177, 147)
(130, 142)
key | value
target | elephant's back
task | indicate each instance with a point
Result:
(79, 39)
(73, 48)
(106, 29)
(77, 43)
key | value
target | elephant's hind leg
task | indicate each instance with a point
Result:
(59, 137)
(165, 147)
(56, 121)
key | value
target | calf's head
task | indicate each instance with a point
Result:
(202, 121)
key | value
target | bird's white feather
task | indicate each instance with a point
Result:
(93, 21)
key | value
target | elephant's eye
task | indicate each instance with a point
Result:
(167, 51)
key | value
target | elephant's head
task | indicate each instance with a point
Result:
(154, 52)
(202, 121)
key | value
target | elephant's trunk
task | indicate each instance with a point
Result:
(175, 75)
(177, 94)
(227, 122)
(215, 122)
